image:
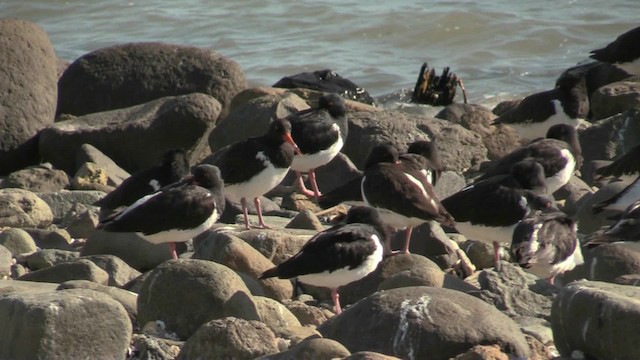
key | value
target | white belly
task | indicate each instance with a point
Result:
(486, 234)
(632, 68)
(544, 269)
(258, 185)
(180, 235)
(307, 162)
(558, 180)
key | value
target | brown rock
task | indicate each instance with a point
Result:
(37, 179)
(22, 208)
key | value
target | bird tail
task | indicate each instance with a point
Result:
(273, 272)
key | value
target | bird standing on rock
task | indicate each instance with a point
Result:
(252, 167)
(177, 212)
(339, 255)
(320, 134)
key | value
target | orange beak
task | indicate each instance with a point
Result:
(287, 137)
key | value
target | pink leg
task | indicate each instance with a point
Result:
(552, 280)
(243, 202)
(303, 189)
(496, 255)
(261, 223)
(336, 300)
(172, 247)
(407, 239)
(314, 184)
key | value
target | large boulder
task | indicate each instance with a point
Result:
(423, 323)
(121, 76)
(37, 179)
(599, 319)
(22, 208)
(615, 98)
(134, 250)
(67, 324)
(28, 91)
(80, 269)
(136, 137)
(609, 261)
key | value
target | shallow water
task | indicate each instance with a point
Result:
(501, 49)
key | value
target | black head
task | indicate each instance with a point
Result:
(567, 134)
(384, 153)
(177, 160)
(366, 215)
(208, 176)
(333, 103)
(529, 174)
(425, 148)
(540, 202)
(280, 132)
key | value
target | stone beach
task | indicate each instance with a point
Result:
(70, 291)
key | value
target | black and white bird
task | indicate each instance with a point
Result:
(626, 228)
(253, 167)
(489, 210)
(623, 52)
(320, 134)
(174, 167)
(339, 255)
(402, 195)
(626, 164)
(177, 212)
(546, 244)
(565, 104)
(559, 154)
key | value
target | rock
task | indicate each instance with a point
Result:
(51, 239)
(499, 140)
(480, 253)
(575, 193)
(161, 296)
(135, 137)
(94, 82)
(275, 245)
(610, 261)
(29, 91)
(120, 273)
(424, 277)
(459, 148)
(335, 173)
(154, 348)
(89, 177)
(74, 270)
(428, 240)
(307, 314)
(80, 222)
(127, 299)
(299, 203)
(423, 323)
(37, 179)
(233, 210)
(540, 329)
(25, 287)
(6, 262)
(448, 184)
(513, 291)
(46, 258)
(17, 241)
(252, 119)
(317, 349)
(22, 208)
(610, 137)
(90, 154)
(369, 355)
(135, 251)
(586, 316)
(233, 252)
(305, 220)
(614, 98)
(483, 352)
(236, 339)
(589, 222)
(326, 81)
(55, 322)
(275, 315)
(630, 279)
(64, 201)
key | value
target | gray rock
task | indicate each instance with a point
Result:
(275, 315)
(22, 208)
(28, 85)
(80, 222)
(631, 280)
(424, 277)
(135, 251)
(480, 253)
(317, 349)
(74, 270)
(47, 325)
(37, 179)
(119, 271)
(233, 211)
(598, 319)
(94, 82)
(51, 238)
(614, 98)
(575, 193)
(276, 245)
(236, 339)
(459, 148)
(369, 355)
(135, 137)
(6, 262)
(428, 240)
(589, 222)
(449, 183)
(307, 314)
(338, 171)
(24, 287)
(162, 295)
(423, 323)
(610, 261)
(89, 153)
(17, 241)
(46, 258)
(64, 201)
(154, 348)
(305, 220)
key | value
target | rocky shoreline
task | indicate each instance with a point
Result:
(72, 133)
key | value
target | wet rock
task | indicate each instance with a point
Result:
(610, 261)
(586, 315)
(305, 220)
(22, 208)
(55, 318)
(51, 238)
(317, 349)
(64, 201)
(28, 85)
(88, 153)
(74, 270)
(614, 98)
(326, 81)
(234, 339)
(94, 82)
(46, 258)
(119, 271)
(423, 323)
(161, 296)
(37, 179)
(135, 251)
(276, 245)
(233, 252)
(17, 241)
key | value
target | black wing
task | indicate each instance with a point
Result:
(530, 109)
(239, 162)
(313, 130)
(349, 191)
(623, 49)
(628, 163)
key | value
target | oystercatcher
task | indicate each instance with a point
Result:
(402, 195)
(626, 228)
(320, 134)
(488, 210)
(252, 167)
(339, 255)
(177, 212)
(546, 244)
(626, 164)
(174, 167)
(559, 154)
(623, 52)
